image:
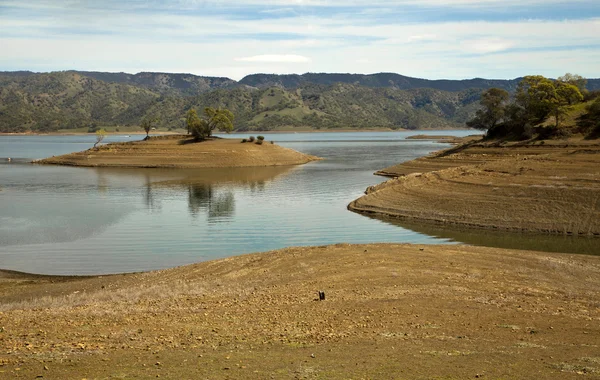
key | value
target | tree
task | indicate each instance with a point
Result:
(192, 121)
(542, 97)
(214, 118)
(536, 94)
(218, 118)
(147, 124)
(576, 80)
(494, 103)
(566, 95)
(100, 135)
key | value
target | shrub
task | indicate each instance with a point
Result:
(244, 140)
(261, 138)
(272, 142)
(259, 142)
(251, 138)
(117, 130)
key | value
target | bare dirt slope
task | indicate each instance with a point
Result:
(181, 152)
(391, 311)
(548, 187)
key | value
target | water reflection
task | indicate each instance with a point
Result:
(219, 206)
(503, 239)
(210, 191)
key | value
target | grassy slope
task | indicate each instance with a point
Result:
(68, 100)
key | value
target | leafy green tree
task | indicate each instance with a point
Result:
(574, 79)
(192, 120)
(494, 103)
(536, 94)
(542, 97)
(214, 118)
(566, 95)
(100, 135)
(218, 118)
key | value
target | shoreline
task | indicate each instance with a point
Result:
(389, 309)
(177, 151)
(478, 185)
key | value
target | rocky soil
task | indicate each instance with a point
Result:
(544, 187)
(390, 311)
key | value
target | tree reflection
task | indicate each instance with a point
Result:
(151, 202)
(218, 205)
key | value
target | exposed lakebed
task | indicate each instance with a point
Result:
(69, 220)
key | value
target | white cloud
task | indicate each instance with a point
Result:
(422, 37)
(110, 40)
(275, 58)
(488, 45)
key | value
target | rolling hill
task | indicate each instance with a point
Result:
(77, 99)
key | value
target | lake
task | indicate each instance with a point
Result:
(68, 220)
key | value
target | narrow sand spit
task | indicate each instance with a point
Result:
(180, 152)
(390, 311)
(548, 187)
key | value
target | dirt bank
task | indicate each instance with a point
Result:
(391, 311)
(181, 152)
(548, 187)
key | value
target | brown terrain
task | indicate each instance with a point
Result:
(390, 311)
(181, 152)
(543, 186)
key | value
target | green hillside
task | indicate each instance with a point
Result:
(76, 100)
(48, 102)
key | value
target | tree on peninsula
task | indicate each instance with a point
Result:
(537, 98)
(214, 118)
(576, 80)
(100, 135)
(542, 97)
(147, 124)
(494, 103)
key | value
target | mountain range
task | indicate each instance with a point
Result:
(78, 99)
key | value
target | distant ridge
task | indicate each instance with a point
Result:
(185, 84)
(379, 80)
(190, 84)
(86, 100)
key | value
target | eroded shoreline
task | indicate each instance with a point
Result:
(549, 187)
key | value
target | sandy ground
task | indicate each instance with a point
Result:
(180, 152)
(390, 311)
(548, 187)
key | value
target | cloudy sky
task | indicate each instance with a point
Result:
(421, 38)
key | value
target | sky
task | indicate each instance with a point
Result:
(433, 39)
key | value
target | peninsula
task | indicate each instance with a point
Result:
(547, 186)
(179, 151)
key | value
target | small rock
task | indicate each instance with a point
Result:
(312, 356)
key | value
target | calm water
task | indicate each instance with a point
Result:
(63, 220)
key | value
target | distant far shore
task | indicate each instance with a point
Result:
(299, 130)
